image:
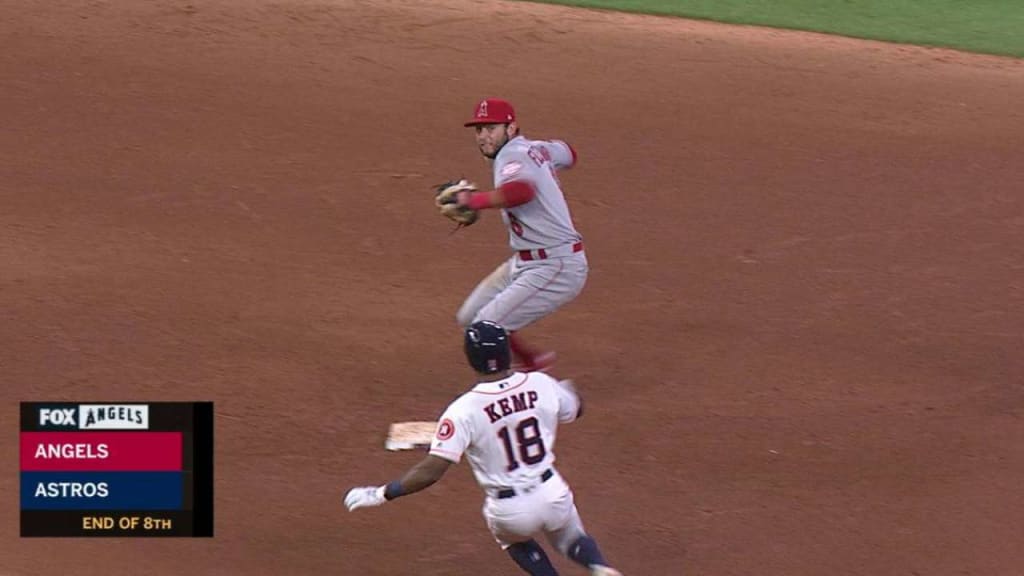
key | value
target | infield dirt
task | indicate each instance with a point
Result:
(800, 341)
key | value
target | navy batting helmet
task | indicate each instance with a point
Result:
(487, 347)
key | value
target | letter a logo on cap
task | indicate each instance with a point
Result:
(492, 111)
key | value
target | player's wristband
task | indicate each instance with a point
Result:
(393, 490)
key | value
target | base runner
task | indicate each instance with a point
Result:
(506, 426)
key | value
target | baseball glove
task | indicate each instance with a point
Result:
(446, 201)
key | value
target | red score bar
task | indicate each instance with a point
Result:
(101, 451)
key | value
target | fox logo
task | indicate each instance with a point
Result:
(58, 416)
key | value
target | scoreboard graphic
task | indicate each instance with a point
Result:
(116, 469)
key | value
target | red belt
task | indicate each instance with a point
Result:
(542, 254)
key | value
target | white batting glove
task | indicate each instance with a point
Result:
(364, 496)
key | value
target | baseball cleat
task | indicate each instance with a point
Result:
(538, 363)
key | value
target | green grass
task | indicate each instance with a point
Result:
(988, 26)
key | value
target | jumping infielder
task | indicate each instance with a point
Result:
(506, 425)
(548, 268)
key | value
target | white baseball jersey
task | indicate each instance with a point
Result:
(543, 222)
(507, 428)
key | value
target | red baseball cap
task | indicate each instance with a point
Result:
(492, 111)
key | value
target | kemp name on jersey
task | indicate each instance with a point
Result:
(507, 406)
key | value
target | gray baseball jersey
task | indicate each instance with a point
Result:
(544, 222)
(554, 270)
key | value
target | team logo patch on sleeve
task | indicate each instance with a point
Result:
(446, 429)
(511, 169)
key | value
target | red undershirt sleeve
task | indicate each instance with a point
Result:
(510, 194)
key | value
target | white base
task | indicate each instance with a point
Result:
(410, 435)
